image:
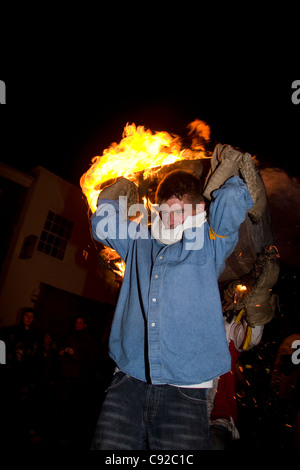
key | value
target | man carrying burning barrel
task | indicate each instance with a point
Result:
(167, 338)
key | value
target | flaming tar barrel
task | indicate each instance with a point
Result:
(145, 157)
(254, 233)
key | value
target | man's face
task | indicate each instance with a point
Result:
(28, 319)
(174, 211)
(80, 324)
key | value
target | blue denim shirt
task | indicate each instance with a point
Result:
(168, 324)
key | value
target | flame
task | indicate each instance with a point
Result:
(115, 263)
(139, 150)
(240, 287)
(239, 292)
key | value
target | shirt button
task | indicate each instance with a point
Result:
(154, 299)
(152, 324)
(160, 257)
(156, 276)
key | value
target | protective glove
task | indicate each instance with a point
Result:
(121, 187)
(260, 304)
(227, 162)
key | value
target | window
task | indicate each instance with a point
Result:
(55, 235)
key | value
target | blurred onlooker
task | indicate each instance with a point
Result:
(77, 387)
(45, 390)
(22, 343)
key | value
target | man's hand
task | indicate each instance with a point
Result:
(227, 162)
(122, 187)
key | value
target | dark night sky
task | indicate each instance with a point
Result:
(60, 121)
(74, 81)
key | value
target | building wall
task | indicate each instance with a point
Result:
(78, 272)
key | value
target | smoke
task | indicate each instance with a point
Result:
(284, 199)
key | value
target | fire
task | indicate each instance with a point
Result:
(139, 150)
(240, 287)
(239, 292)
(113, 260)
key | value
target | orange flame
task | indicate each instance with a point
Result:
(139, 150)
(240, 287)
(239, 292)
(113, 260)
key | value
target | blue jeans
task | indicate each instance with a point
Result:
(141, 416)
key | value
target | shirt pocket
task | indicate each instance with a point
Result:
(195, 259)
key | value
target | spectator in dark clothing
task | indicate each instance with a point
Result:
(77, 387)
(22, 342)
(80, 353)
(45, 390)
(22, 345)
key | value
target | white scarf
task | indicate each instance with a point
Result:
(169, 236)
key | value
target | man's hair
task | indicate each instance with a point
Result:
(179, 183)
(25, 310)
